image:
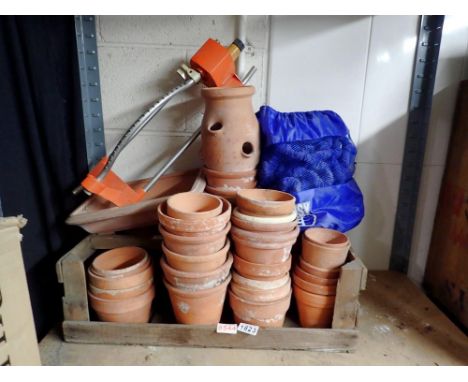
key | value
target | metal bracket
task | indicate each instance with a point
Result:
(424, 73)
(85, 31)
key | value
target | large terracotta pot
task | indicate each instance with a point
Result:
(196, 280)
(264, 314)
(230, 131)
(325, 248)
(315, 311)
(265, 202)
(200, 307)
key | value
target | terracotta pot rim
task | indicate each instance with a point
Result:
(257, 245)
(194, 240)
(228, 174)
(227, 192)
(227, 92)
(275, 237)
(196, 293)
(260, 284)
(261, 303)
(330, 272)
(344, 243)
(274, 265)
(197, 258)
(330, 250)
(116, 282)
(176, 208)
(319, 280)
(139, 255)
(187, 226)
(195, 275)
(312, 299)
(93, 289)
(327, 290)
(260, 227)
(270, 197)
(265, 219)
(134, 302)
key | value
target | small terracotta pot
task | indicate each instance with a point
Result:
(265, 219)
(120, 262)
(261, 295)
(264, 202)
(180, 226)
(226, 193)
(203, 263)
(265, 237)
(264, 314)
(325, 248)
(313, 279)
(324, 290)
(120, 282)
(196, 280)
(119, 294)
(259, 255)
(230, 132)
(272, 271)
(319, 272)
(193, 206)
(200, 307)
(261, 227)
(135, 309)
(260, 284)
(195, 245)
(315, 311)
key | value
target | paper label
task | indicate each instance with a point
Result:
(226, 328)
(248, 329)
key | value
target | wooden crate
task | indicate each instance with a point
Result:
(78, 326)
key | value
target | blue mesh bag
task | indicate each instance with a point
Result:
(311, 156)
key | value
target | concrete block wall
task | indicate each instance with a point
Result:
(138, 59)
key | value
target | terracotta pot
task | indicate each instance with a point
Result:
(200, 307)
(262, 245)
(260, 284)
(259, 255)
(264, 314)
(325, 248)
(203, 263)
(229, 175)
(324, 290)
(262, 227)
(229, 180)
(272, 271)
(230, 132)
(195, 245)
(196, 280)
(226, 193)
(135, 309)
(313, 279)
(120, 282)
(265, 219)
(261, 295)
(120, 262)
(119, 294)
(315, 311)
(319, 272)
(194, 206)
(180, 226)
(264, 202)
(265, 237)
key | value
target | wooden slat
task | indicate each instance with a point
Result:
(206, 336)
(114, 241)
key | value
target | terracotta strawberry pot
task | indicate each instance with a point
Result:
(313, 279)
(230, 132)
(120, 262)
(120, 281)
(193, 206)
(325, 248)
(262, 227)
(119, 294)
(264, 202)
(195, 245)
(265, 237)
(319, 272)
(202, 263)
(196, 280)
(324, 290)
(261, 295)
(264, 314)
(315, 311)
(180, 226)
(226, 193)
(259, 255)
(260, 284)
(271, 220)
(272, 271)
(135, 309)
(200, 307)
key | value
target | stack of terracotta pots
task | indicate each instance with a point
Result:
(316, 275)
(264, 231)
(230, 140)
(196, 262)
(120, 285)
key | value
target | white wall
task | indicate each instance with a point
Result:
(358, 66)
